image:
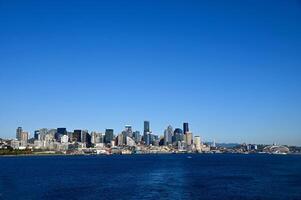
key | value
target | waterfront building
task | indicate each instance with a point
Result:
(18, 133)
(109, 135)
(185, 128)
(15, 144)
(38, 144)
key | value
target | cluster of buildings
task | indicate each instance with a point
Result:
(128, 141)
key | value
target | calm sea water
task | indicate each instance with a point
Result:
(225, 176)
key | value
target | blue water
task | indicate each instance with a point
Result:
(225, 176)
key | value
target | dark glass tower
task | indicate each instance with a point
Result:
(18, 133)
(76, 135)
(86, 138)
(146, 127)
(109, 134)
(59, 133)
(185, 128)
(146, 130)
(178, 135)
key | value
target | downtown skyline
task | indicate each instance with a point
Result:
(231, 70)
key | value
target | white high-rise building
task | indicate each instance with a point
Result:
(197, 143)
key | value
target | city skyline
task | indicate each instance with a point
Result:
(232, 70)
(146, 129)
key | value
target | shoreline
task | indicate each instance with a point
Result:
(58, 154)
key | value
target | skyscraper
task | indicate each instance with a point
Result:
(24, 137)
(197, 143)
(185, 128)
(36, 135)
(95, 137)
(128, 130)
(76, 135)
(109, 135)
(146, 130)
(168, 133)
(86, 137)
(188, 138)
(18, 133)
(178, 136)
(59, 133)
(120, 140)
(137, 136)
(146, 126)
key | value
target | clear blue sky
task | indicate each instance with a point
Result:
(232, 69)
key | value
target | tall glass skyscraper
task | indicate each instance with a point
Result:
(109, 135)
(18, 133)
(146, 127)
(185, 128)
(146, 130)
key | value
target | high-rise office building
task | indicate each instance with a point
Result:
(43, 133)
(37, 135)
(76, 136)
(96, 138)
(85, 137)
(146, 126)
(18, 133)
(24, 136)
(197, 143)
(185, 128)
(168, 133)
(59, 133)
(146, 130)
(137, 136)
(128, 130)
(109, 135)
(188, 138)
(148, 138)
(120, 140)
(178, 136)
